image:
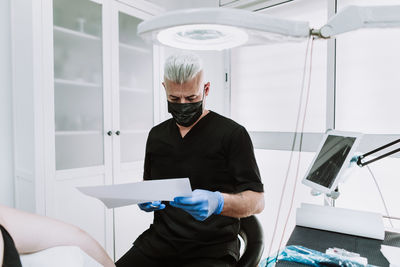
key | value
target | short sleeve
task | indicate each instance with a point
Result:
(242, 162)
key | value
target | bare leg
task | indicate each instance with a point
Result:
(32, 233)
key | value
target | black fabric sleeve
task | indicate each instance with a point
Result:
(10, 255)
(147, 161)
(242, 162)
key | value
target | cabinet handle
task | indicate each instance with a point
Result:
(117, 132)
(109, 133)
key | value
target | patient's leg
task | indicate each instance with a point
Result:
(32, 233)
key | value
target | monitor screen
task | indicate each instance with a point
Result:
(331, 157)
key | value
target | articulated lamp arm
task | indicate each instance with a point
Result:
(357, 17)
(362, 163)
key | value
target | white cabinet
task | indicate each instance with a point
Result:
(79, 91)
(135, 116)
(83, 105)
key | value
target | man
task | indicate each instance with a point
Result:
(218, 157)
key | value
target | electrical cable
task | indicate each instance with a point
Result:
(292, 148)
(291, 154)
(380, 193)
(300, 147)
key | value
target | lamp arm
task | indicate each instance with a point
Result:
(356, 17)
(362, 164)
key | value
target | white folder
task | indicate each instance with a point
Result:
(346, 221)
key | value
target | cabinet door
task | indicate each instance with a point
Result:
(78, 84)
(82, 115)
(133, 117)
(135, 96)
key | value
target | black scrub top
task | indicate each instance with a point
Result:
(11, 256)
(216, 155)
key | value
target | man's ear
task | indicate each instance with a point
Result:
(206, 88)
(163, 84)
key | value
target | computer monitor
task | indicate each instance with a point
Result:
(332, 158)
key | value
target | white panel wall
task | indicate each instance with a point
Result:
(273, 166)
(267, 79)
(6, 133)
(368, 68)
(266, 84)
(368, 93)
(23, 82)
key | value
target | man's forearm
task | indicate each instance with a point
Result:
(243, 204)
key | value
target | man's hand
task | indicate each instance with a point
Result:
(151, 206)
(201, 204)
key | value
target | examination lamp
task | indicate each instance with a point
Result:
(219, 28)
(224, 28)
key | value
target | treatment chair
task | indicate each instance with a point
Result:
(252, 234)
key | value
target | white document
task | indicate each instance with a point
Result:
(392, 254)
(346, 221)
(120, 195)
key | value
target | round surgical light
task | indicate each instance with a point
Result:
(203, 37)
(219, 28)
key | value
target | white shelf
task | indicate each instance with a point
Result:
(66, 133)
(62, 30)
(134, 48)
(135, 90)
(75, 83)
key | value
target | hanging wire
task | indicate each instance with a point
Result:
(292, 149)
(300, 147)
(380, 193)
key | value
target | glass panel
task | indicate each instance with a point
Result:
(78, 95)
(135, 145)
(368, 63)
(136, 89)
(273, 166)
(266, 80)
(361, 193)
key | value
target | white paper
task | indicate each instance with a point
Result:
(392, 254)
(346, 221)
(120, 195)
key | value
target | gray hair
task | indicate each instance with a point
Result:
(182, 67)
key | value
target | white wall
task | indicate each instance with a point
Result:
(6, 126)
(367, 94)
(367, 90)
(266, 84)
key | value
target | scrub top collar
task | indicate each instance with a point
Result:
(194, 128)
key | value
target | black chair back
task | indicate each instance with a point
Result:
(252, 234)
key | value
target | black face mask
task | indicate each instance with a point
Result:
(185, 114)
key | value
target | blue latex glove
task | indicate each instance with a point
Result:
(151, 206)
(201, 204)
